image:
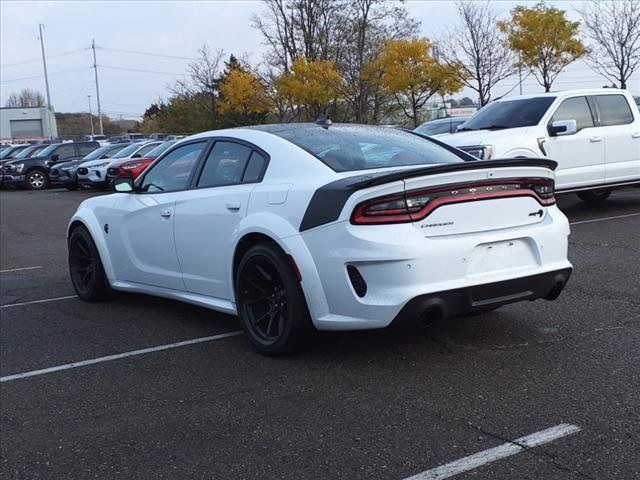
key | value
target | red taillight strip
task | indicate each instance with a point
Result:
(361, 216)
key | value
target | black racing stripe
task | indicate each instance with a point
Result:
(329, 200)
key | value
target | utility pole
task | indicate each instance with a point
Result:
(520, 72)
(44, 64)
(95, 69)
(91, 116)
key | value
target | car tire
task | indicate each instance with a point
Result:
(36, 180)
(271, 305)
(85, 267)
(592, 196)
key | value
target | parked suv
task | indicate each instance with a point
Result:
(594, 135)
(65, 174)
(33, 172)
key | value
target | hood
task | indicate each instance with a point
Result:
(71, 163)
(93, 163)
(480, 137)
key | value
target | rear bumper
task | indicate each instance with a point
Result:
(478, 298)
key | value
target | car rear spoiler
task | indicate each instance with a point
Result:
(327, 201)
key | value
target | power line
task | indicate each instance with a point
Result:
(149, 54)
(41, 76)
(24, 62)
(140, 70)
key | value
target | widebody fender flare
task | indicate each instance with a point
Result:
(288, 238)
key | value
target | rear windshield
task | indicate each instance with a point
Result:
(346, 148)
(524, 112)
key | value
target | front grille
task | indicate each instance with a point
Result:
(358, 283)
(83, 171)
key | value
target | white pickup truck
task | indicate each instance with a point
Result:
(594, 135)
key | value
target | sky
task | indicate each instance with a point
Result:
(130, 82)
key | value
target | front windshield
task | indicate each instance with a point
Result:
(125, 152)
(113, 150)
(47, 151)
(524, 112)
(434, 128)
(26, 152)
(155, 153)
(97, 153)
(346, 148)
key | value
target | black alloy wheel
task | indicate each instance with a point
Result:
(85, 267)
(598, 195)
(271, 305)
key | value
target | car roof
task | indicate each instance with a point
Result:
(565, 93)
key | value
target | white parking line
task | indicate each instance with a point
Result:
(19, 269)
(502, 451)
(45, 300)
(117, 356)
(605, 218)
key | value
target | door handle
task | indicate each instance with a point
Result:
(635, 135)
(595, 139)
(233, 206)
(165, 213)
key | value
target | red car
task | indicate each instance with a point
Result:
(132, 167)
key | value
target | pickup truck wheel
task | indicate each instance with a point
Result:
(36, 180)
(271, 305)
(598, 195)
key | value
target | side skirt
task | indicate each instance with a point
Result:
(213, 303)
(602, 185)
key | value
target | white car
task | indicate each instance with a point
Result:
(594, 135)
(334, 227)
(94, 174)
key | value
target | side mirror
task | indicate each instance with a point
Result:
(123, 185)
(136, 155)
(562, 127)
(55, 157)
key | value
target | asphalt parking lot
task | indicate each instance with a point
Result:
(384, 404)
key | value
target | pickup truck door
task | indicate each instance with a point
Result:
(580, 156)
(621, 132)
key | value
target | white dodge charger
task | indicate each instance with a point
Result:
(333, 227)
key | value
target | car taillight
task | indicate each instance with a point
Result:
(415, 205)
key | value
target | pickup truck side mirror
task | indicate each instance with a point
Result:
(562, 127)
(55, 157)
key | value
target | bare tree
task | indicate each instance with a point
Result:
(203, 81)
(614, 30)
(26, 98)
(293, 28)
(480, 47)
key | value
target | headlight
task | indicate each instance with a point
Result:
(483, 152)
(131, 166)
(18, 167)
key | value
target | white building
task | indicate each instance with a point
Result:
(25, 124)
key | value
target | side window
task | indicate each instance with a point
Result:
(85, 149)
(254, 169)
(613, 110)
(65, 151)
(577, 109)
(225, 165)
(172, 173)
